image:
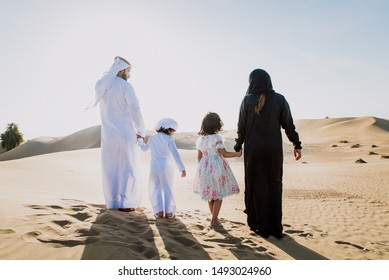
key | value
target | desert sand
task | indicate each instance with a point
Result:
(336, 202)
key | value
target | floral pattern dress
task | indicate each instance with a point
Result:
(214, 178)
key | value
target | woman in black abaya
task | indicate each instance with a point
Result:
(263, 113)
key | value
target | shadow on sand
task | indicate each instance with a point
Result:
(179, 242)
(242, 248)
(121, 236)
(113, 235)
(294, 249)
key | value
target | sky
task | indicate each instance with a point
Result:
(328, 58)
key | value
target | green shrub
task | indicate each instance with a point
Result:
(11, 138)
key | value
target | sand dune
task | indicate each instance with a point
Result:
(84, 139)
(325, 130)
(364, 129)
(52, 206)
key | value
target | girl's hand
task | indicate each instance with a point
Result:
(240, 153)
(183, 173)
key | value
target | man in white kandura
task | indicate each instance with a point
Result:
(121, 124)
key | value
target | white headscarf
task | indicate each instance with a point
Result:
(105, 82)
(166, 123)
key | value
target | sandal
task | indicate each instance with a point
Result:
(170, 215)
(158, 215)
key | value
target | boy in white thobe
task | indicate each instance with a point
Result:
(121, 122)
(163, 150)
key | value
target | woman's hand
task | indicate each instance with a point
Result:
(297, 154)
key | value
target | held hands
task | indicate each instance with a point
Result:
(141, 138)
(297, 154)
(237, 147)
(239, 153)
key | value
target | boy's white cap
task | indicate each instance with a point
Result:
(166, 123)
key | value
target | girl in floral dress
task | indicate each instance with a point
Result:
(214, 178)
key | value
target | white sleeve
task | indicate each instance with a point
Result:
(133, 104)
(144, 146)
(176, 155)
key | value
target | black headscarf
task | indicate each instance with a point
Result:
(259, 82)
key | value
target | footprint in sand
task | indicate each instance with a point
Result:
(226, 241)
(236, 224)
(7, 231)
(354, 245)
(306, 234)
(82, 216)
(63, 226)
(299, 233)
(63, 223)
(78, 208)
(179, 236)
(66, 242)
(86, 232)
(43, 207)
(31, 236)
(197, 227)
(293, 231)
(316, 229)
(249, 242)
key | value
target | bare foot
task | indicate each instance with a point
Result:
(215, 222)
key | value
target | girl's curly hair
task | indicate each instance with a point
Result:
(211, 124)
